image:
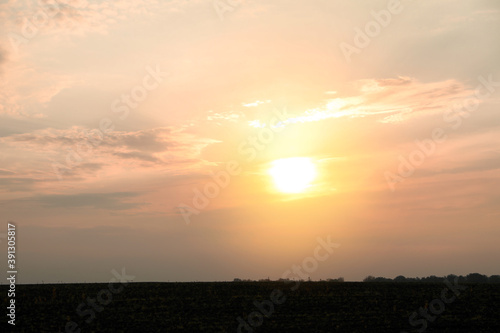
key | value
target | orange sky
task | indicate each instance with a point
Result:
(117, 118)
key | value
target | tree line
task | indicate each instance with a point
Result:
(469, 278)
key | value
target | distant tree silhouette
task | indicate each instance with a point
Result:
(477, 278)
(382, 279)
(470, 278)
(340, 279)
(400, 278)
(451, 277)
(432, 279)
(494, 279)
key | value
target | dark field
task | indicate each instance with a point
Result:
(215, 307)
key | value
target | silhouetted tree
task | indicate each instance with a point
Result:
(471, 278)
(494, 279)
(477, 278)
(451, 277)
(382, 279)
(432, 279)
(400, 278)
(340, 279)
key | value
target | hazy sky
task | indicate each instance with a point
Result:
(116, 115)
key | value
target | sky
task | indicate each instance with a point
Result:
(144, 135)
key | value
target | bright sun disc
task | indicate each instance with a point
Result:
(292, 175)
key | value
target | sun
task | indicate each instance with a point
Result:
(292, 175)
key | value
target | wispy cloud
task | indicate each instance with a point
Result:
(165, 148)
(388, 100)
(254, 104)
(26, 91)
(108, 201)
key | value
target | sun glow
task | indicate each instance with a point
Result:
(292, 175)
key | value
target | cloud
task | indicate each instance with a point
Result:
(137, 155)
(25, 90)
(53, 140)
(80, 17)
(6, 172)
(389, 100)
(474, 153)
(82, 171)
(79, 153)
(108, 201)
(3, 57)
(28, 179)
(151, 140)
(254, 104)
(400, 81)
(13, 184)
